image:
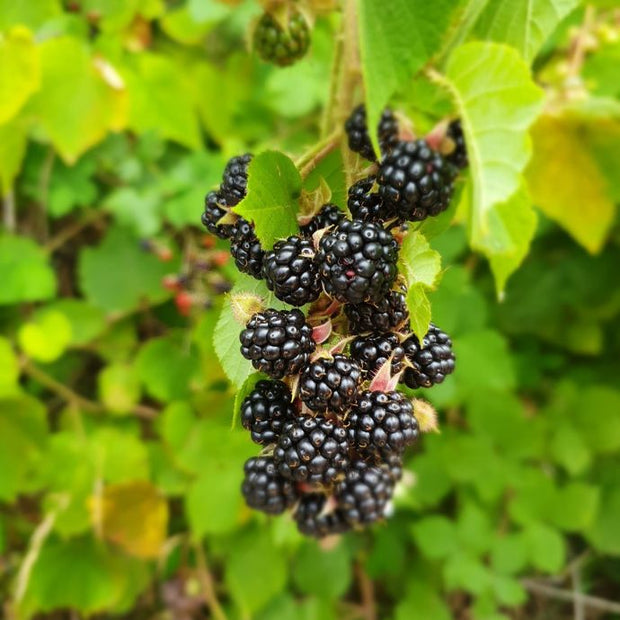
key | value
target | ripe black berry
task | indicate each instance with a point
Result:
(315, 518)
(388, 314)
(416, 180)
(431, 362)
(382, 423)
(367, 205)
(266, 409)
(373, 350)
(277, 342)
(265, 489)
(394, 465)
(291, 272)
(312, 450)
(357, 261)
(364, 494)
(216, 208)
(458, 157)
(329, 215)
(330, 384)
(235, 179)
(246, 249)
(359, 139)
(281, 46)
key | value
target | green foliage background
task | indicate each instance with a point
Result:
(119, 472)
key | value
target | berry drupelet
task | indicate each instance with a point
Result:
(312, 450)
(431, 362)
(357, 261)
(416, 180)
(265, 411)
(330, 384)
(388, 314)
(291, 272)
(277, 342)
(329, 215)
(264, 488)
(382, 424)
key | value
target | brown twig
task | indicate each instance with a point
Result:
(208, 584)
(73, 229)
(367, 592)
(9, 218)
(593, 602)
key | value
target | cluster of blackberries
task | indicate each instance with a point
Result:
(332, 425)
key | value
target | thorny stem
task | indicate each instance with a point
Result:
(208, 584)
(309, 160)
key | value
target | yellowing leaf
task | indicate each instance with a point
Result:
(566, 182)
(19, 71)
(76, 106)
(9, 368)
(12, 151)
(46, 338)
(133, 515)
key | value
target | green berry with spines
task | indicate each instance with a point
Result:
(282, 41)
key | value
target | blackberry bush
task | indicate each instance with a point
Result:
(266, 409)
(291, 272)
(416, 180)
(430, 362)
(277, 342)
(357, 261)
(281, 45)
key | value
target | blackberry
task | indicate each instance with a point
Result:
(458, 157)
(313, 450)
(246, 249)
(357, 132)
(364, 494)
(277, 342)
(374, 350)
(278, 45)
(291, 272)
(216, 207)
(382, 423)
(394, 465)
(329, 215)
(357, 261)
(367, 205)
(235, 179)
(416, 180)
(389, 314)
(265, 411)
(431, 362)
(265, 489)
(313, 518)
(330, 384)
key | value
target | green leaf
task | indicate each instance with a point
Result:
(436, 537)
(274, 185)
(466, 572)
(396, 39)
(255, 555)
(87, 322)
(161, 100)
(497, 101)
(23, 431)
(71, 74)
(168, 368)
(19, 71)
(27, 275)
(84, 575)
(47, 337)
(562, 147)
(508, 591)
(508, 554)
(109, 284)
(576, 506)
(71, 186)
(119, 388)
(139, 210)
(569, 449)
(12, 151)
(546, 547)
(312, 564)
(422, 602)
(30, 14)
(524, 24)
(420, 266)
(9, 369)
(600, 430)
(604, 533)
(331, 171)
